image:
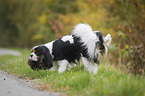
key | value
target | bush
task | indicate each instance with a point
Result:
(136, 62)
(129, 21)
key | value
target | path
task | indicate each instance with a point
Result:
(9, 52)
(12, 86)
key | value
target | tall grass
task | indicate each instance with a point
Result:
(108, 82)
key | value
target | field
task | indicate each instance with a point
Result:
(108, 82)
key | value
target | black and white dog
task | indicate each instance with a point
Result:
(83, 43)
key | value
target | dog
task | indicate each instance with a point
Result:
(82, 44)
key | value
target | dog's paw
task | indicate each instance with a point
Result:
(53, 69)
(60, 71)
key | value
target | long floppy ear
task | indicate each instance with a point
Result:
(47, 58)
(108, 39)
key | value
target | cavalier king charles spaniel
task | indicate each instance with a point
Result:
(82, 44)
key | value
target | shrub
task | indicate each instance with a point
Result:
(130, 41)
(136, 62)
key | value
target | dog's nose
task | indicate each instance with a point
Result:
(31, 55)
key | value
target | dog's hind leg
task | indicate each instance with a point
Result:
(90, 66)
(94, 68)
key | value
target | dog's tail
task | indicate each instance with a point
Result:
(87, 37)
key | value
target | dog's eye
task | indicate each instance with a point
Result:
(36, 53)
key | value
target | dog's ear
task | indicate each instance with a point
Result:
(108, 39)
(46, 58)
(101, 47)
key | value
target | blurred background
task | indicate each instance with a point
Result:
(26, 23)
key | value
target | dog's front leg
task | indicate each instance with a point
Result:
(85, 62)
(55, 66)
(71, 65)
(62, 66)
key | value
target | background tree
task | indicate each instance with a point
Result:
(19, 21)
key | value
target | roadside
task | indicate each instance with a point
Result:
(13, 86)
(9, 52)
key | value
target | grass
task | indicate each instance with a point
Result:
(108, 82)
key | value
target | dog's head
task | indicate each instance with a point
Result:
(40, 58)
(102, 43)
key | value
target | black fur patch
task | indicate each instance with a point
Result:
(100, 43)
(80, 45)
(33, 64)
(100, 35)
(66, 50)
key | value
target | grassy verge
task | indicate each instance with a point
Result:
(77, 81)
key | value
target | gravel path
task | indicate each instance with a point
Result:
(12, 86)
(9, 52)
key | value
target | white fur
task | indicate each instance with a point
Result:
(85, 62)
(68, 38)
(34, 57)
(50, 46)
(96, 31)
(108, 39)
(35, 47)
(84, 31)
(62, 66)
(55, 66)
(106, 51)
(90, 66)
(71, 65)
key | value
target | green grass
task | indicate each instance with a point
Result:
(108, 82)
